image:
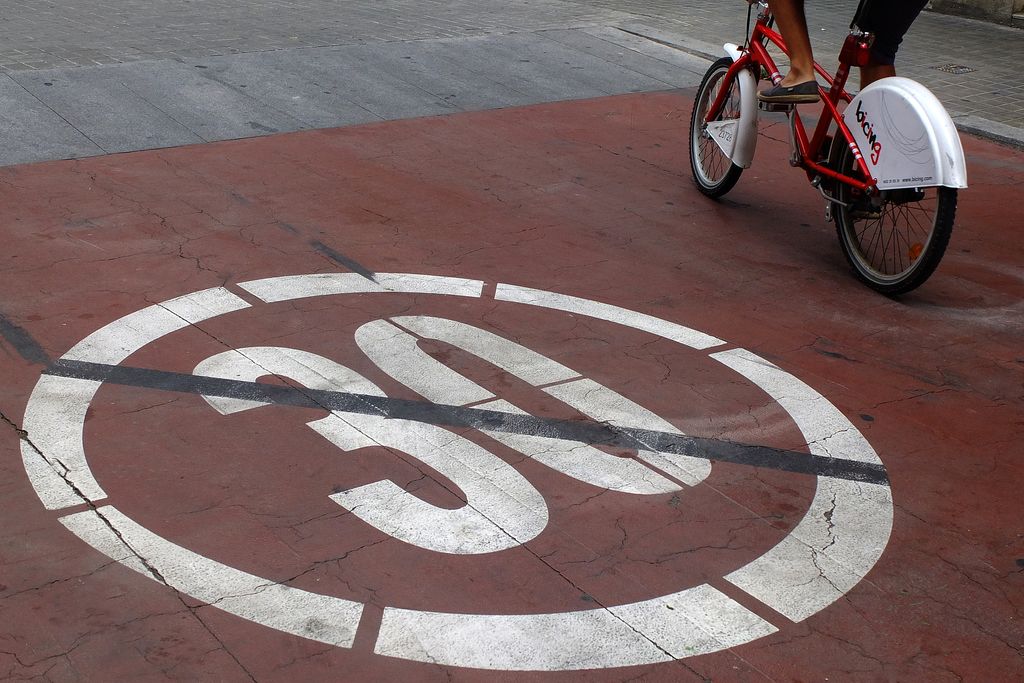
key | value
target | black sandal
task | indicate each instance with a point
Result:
(801, 93)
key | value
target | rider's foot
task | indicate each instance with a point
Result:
(801, 93)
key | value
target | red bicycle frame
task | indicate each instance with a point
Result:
(854, 53)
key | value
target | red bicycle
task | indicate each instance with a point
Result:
(888, 162)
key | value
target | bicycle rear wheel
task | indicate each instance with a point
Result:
(713, 172)
(894, 241)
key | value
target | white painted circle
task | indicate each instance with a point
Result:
(839, 540)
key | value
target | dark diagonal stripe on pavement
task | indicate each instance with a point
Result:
(593, 433)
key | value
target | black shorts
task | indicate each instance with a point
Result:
(889, 20)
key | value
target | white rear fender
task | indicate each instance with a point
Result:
(737, 138)
(906, 136)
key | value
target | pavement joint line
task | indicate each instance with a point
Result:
(57, 114)
(163, 111)
(675, 46)
(587, 432)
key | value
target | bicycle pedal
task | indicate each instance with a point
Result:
(783, 107)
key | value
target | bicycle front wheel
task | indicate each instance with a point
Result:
(713, 172)
(893, 241)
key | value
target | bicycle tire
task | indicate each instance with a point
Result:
(713, 172)
(896, 246)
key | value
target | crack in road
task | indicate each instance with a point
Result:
(153, 571)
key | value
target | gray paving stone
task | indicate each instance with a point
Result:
(102, 106)
(210, 110)
(371, 86)
(31, 131)
(672, 67)
(449, 79)
(151, 104)
(162, 25)
(580, 66)
(524, 62)
(283, 81)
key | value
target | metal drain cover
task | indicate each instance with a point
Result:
(955, 68)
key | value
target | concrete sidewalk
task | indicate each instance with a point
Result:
(94, 79)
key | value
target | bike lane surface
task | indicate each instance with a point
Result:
(580, 338)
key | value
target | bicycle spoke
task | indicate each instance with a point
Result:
(892, 244)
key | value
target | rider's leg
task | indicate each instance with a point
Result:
(789, 16)
(872, 72)
(799, 85)
(889, 22)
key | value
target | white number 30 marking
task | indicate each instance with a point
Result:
(502, 508)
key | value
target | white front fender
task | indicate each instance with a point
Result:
(737, 138)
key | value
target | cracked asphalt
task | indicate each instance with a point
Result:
(582, 198)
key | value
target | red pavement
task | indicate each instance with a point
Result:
(592, 199)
